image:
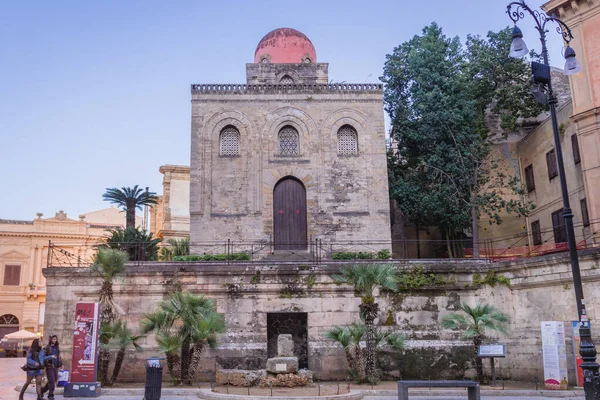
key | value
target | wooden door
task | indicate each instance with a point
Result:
(289, 215)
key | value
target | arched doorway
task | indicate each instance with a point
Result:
(289, 215)
(8, 324)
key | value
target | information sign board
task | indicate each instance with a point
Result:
(555, 355)
(85, 343)
(492, 350)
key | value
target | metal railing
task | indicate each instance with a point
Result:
(317, 250)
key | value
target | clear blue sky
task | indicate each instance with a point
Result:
(96, 94)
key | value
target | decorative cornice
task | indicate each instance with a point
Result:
(180, 169)
(51, 235)
(15, 222)
(238, 88)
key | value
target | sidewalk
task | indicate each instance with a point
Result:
(11, 378)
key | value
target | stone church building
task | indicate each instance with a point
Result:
(288, 156)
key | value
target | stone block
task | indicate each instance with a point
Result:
(240, 377)
(285, 345)
(306, 373)
(282, 365)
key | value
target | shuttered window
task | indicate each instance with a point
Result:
(575, 146)
(551, 162)
(584, 213)
(558, 225)
(529, 181)
(12, 275)
(536, 232)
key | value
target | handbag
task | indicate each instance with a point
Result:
(25, 367)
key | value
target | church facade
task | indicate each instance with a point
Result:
(287, 156)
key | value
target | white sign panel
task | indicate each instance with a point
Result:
(555, 355)
(280, 367)
(492, 350)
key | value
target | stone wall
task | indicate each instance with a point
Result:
(231, 197)
(541, 289)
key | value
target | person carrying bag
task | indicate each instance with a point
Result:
(35, 369)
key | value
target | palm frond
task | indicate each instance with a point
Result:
(340, 335)
(478, 320)
(126, 196)
(365, 277)
(109, 263)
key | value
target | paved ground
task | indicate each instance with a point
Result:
(11, 375)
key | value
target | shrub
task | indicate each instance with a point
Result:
(214, 257)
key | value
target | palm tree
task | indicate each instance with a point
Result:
(365, 278)
(351, 336)
(124, 338)
(139, 244)
(191, 320)
(109, 263)
(171, 345)
(129, 199)
(204, 332)
(107, 333)
(175, 247)
(475, 325)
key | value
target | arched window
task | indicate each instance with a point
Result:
(347, 140)
(9, 319)
(229, 141)
(289, 141)
(286, 80)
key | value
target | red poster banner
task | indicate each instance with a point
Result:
(85, 343)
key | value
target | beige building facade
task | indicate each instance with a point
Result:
(170, 217)
(24, 252)
(579, 127)
(288, 157)
(583, 18)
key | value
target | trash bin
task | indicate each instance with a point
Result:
(153, 386)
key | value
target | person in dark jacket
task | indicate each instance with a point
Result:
(35, 369)
(50, 357)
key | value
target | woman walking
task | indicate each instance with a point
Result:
(50, 357)
(35, 369)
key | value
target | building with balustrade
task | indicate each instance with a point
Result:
(25, 250)
(288, 157)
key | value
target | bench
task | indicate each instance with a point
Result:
(472, 387)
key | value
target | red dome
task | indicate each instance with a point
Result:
(285, 46)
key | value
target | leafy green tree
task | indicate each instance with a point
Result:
(365, 278)
(349, 337)
(475, 323)
(190, 321)
(174, 248)
(139, 244)
(123, 338)
(130, 199)
(501, 85)
(441, 170)
(108, 264)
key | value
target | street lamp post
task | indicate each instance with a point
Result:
(541, 74)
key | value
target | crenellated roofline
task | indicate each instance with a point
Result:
(229, 88)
